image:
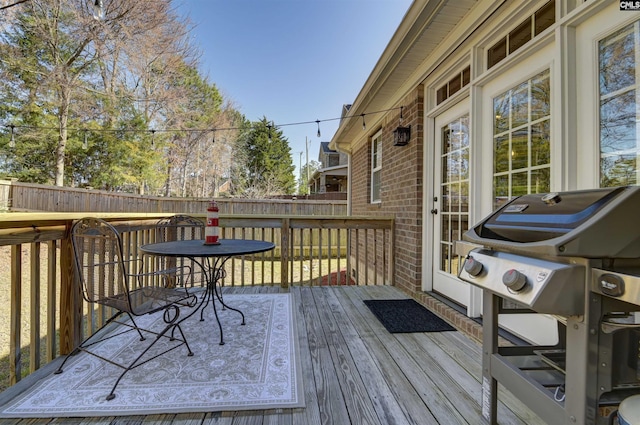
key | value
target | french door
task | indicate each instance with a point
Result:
(450, 202)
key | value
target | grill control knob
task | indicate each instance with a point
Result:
(472, 266)
(514, 280)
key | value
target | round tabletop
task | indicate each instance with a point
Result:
(197, 248)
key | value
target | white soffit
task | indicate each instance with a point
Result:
(426, 24)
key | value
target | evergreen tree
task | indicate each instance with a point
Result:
(65, 77)
(263, 163)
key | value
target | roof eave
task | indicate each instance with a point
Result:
(398, 61)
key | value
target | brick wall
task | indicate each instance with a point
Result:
(401, 189)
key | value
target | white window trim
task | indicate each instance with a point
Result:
(498, 83)
(588, 35)
(376, 138)
(529, 168)
(632, 88)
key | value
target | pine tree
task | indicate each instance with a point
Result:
(263, 162)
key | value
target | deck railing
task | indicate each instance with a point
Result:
(44, 315)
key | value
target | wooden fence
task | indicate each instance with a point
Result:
(44, 315)
(5, 190)
(18, 196)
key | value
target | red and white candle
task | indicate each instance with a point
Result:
(211, 230)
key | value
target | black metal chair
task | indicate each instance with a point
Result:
(178, 228)
(105, 278)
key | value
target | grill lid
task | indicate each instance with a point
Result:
(598, 223)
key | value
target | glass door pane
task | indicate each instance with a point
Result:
(454, 190)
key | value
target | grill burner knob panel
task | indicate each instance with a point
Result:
(473, 267)
(537, 284)
(514, 280)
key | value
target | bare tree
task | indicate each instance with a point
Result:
(128, 61)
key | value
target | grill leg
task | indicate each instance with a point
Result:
(489, 347)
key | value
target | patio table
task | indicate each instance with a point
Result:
(211, 259)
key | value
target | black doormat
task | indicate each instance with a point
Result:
(407, 315)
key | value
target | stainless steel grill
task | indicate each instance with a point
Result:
(576, 256)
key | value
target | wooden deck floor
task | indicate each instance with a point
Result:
(355, 372)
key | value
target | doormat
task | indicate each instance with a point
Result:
(257, 368)
(406, 315)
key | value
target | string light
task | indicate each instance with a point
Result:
(12, 141)
(13, 4)
(98, 10)
(200, 130)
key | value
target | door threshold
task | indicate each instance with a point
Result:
(513, 339)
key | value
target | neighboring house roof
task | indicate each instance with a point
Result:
(324, 147)
(335, 170)
(340, 170)
(345, 111)
(418, 40)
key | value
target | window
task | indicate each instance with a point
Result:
(522, 139)
(523, 33)
(618, 81)
(520, 36)
(454, 190)
(454, 85)
(376, 166)
(544, 17)
(497, 52)
(334, 160)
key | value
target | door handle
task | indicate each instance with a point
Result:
(434, 211)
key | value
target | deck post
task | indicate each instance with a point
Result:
(15, 360)
(284, 253)
(70, 300)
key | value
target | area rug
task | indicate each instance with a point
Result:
(406, 315)
(257, 368)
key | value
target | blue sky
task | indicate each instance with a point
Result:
(292, 60)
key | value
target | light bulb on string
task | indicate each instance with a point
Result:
(98, 10)
(12, 141)
(176, 130)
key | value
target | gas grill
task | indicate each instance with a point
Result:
(576, 256)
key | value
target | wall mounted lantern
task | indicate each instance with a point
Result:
(401, 136)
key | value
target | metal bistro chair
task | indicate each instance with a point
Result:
(105, 279)
(179, 228)
(185, 227)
